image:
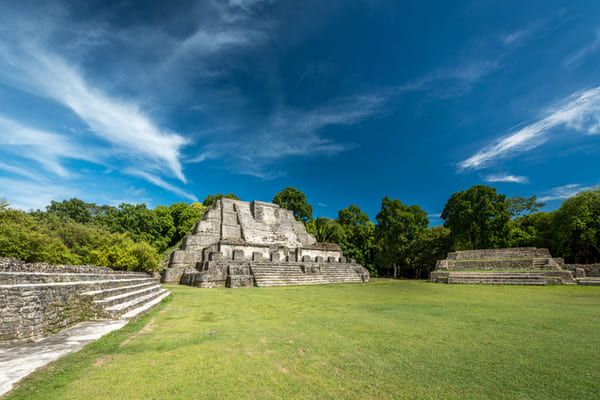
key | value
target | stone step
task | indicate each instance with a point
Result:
(8, 278)
(123, 308)
(592, 281)
(104, 293)
(520, 283)
(305, 281)
(498, 278)
(127, 296)
(86, 286)
(147, 306)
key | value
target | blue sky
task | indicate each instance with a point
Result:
(348, 101)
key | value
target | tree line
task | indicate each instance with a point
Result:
(399, 243)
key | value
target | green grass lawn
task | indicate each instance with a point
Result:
(384, 339)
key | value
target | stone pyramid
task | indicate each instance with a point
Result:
(241, 244)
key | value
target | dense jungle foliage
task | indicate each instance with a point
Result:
(400, 243)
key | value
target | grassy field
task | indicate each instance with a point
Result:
(384, 339)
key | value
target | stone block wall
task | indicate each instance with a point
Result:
(38, 299)
(591, 270)
(518, 252)
(30, 312)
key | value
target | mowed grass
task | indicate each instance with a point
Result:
(384, 339)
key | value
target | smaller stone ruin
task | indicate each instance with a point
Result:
(240, 244)
(515, 266)
(38, 299)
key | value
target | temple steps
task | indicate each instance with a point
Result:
(42, 300)
(293, 275)
(137, 304)
(12, 278)
(498, 278)
(592, 281)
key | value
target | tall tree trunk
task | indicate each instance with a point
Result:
(395, 271)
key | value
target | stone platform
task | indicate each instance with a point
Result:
(514, 266)
(40, 299)
(241, 244)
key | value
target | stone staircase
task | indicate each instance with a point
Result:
(591, 281)
(498, 278)
(39, 299)
(297, 274)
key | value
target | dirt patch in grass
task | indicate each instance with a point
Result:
(146, 329)
(282, 369)
(102, 360)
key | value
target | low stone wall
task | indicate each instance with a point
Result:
(30, 312)
(484, 265)
(16, 265)
(517, 252)
(591, 270)
(38, 299)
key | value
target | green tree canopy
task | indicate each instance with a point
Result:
(398, 225)
(74, 209)
(478, 218)
(293, 199)
(358, 236)
(518, 206)
(325, 230)
(577, 227)
(210, 199)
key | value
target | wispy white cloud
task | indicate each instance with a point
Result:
(453, 81)
(47, 148)
(121, 123)
(512, 37)
(506, 178)
(579, 112)
(13, 169)
(161, 183)
(26, 195)
(588, 49)
(292, 133)
(563, 192)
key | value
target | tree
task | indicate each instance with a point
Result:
(293, 199)
(434, 244)
(577, 227)
(21, 237)
(478, 218)
(184, 217)
(210, 199)
(4, 204)
(518, 206)
(74, 209)
(325, 230)
(358, 236)
(398, 225)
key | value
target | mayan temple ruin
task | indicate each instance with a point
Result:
(240, 244)
(515, 266)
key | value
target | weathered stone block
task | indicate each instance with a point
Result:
(238, 255)
(256, 256)
(306, 259)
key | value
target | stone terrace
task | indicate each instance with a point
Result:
(39, 299)
(514, 266)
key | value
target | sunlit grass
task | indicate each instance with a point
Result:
(384, 339)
